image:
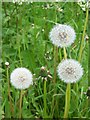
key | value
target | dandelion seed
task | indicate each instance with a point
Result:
(70, 71)
(21, 78)
(62, 35)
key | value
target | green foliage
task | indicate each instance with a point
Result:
(25, 37)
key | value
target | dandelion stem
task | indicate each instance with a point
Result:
(45, 105)
(68, 92)
(67, 101)
(11, 107)
(65, 53)
(20, 114)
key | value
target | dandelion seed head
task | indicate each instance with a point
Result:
(62, 35)
(70, 71)
(7, 63)
(21, 78)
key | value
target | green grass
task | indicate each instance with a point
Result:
(25, 42)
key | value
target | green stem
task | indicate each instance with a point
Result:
(65, 53)
(54, 78)
(89, 63)
(9, 91)
(60, 53)
(55, 52)
(45, 104)
(81, 52)
(5, 12)
(18, 42)
(83, 36)
(55, 63)
(68, 93)
(67, 100)
(20, 55)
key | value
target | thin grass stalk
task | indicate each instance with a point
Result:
(83, 36)
(81, 51)
(9, 95)
(55, 63)
(54, 103)
(21, 95)
(54, 78)
(19, 52)
(68, 93)
(5, 11)
(18, 42)
(55, 51)
(89, 66)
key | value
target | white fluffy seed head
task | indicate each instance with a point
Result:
(70, 71)
(62, 35)
(7, 63)
(21, 78)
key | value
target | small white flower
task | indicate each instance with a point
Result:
(20, 1)
(62, 35)
(21, 78)
(70, 71)
(7, 63)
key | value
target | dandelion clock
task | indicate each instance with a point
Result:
(62, 35)
(70, 71)
(21, 78)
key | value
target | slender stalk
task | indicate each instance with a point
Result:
(19, 52)
(65, 53)
(22, 96)
(5, 12)
(60, 53)
(55, 63)
(54, 77)
(83, 36)
(89, 65)
(21, 93)
(45, 104)
(67, 100)
(54, 102)
(18, 42)
(11, 107)
(81, 52)
(20, 107)
(68, 93)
